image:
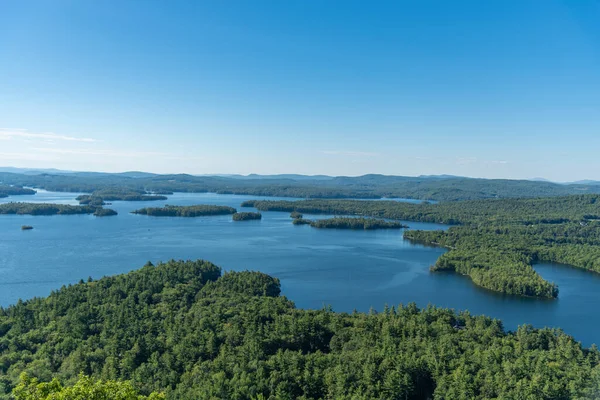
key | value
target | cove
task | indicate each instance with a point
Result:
(347, 270)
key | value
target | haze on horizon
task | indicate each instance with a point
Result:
(483, 89)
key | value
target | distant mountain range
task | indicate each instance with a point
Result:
(294, 177)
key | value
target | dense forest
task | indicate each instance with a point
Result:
(84, 389)
(496, 241)
(366, 187)
(351, 223)
(6, 190)
(185, 330)
(246, 216)
(99, 197)
(51, 209)
(200, 210)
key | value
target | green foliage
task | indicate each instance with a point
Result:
(44, 209)
(367, 186)
(496, 241)
(182, 329)
(553, 210)
(104, 212)
(246, 216)
(99, 197)
(356, 223)
(85, 388)
(186, 211)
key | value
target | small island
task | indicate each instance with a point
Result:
(350, 223)
(246, 216)
(105, 212)
(296, 215)
(26, 227)
(201, 210)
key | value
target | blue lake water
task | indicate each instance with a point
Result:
(345, 269)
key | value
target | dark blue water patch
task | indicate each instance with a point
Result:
(342, 268)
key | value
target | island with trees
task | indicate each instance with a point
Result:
(246, 216)
(7, 190)
(350, 223)
(294, 214)
(201, 210)
(99, 197)
(26, 227)
(49, 209)
(188, 331)
(105, 212)
(495, 242)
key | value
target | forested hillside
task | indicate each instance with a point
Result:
(496, 241)
(183, 329)
(367, 186)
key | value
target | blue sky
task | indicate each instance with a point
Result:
(477, 88)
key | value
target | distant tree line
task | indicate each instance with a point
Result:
(364, 187)
(350, 223)
(200, 210)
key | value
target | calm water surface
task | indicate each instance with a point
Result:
(345, 269)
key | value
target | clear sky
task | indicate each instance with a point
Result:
(498, 88)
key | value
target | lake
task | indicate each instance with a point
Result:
(345, 269)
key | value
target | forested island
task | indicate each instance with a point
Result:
(350, 223)
(439, 188)
(99, 197)
(7, 190)
(186, 330)
(495, 242)
(293, 214)
(50, 209)
(246, 216)
(201, 210)
(105, 212)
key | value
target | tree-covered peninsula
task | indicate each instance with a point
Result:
(184, 329)
(201, 210)
(99, 197)
(494, 242)
(50, 209)
(7, 190)
(352, 223)
(246, 216)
